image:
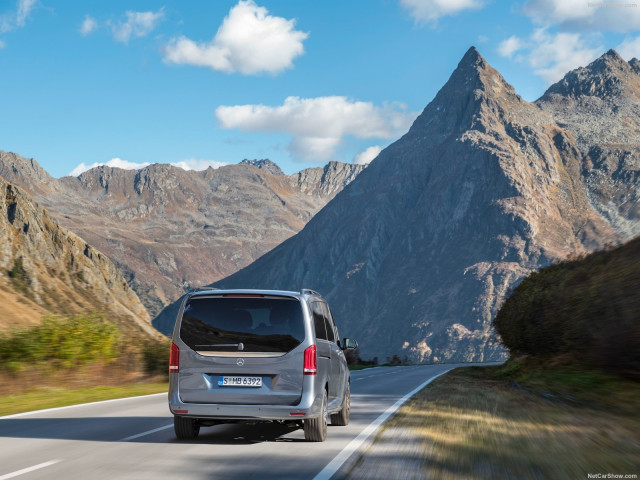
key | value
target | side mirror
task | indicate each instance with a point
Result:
(349, 344)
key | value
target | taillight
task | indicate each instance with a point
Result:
(174, 358)
(310, 361)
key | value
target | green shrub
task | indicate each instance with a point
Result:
(155, 354)
(66, 342)
(587, 310)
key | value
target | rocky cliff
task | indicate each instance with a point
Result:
(168, 228)
(416, 254)
(44, 268)
(600, 104)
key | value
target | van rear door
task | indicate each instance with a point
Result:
(244, 349)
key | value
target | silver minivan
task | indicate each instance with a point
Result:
(258, 355)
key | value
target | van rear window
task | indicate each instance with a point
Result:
(228, 324)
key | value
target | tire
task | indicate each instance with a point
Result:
(342, 417)
(315, 429)
(186, 428)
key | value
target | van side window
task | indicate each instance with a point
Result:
(328, 323)
(335, 327)
(318, 320)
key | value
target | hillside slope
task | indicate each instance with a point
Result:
(44, 268)
(168, 229)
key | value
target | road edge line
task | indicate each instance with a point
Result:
(54, 409)
(341, 458)
(7, 476)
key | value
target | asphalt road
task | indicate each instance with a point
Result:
(134, 439)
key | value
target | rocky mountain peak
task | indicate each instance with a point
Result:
(15, 167)
(325, 181)
(474, 72)
(600, 104)
(424, 245)
(264, 164)
(610, 59)
(474, 90)
(607, 76)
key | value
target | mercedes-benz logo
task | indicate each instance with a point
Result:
(240, 362)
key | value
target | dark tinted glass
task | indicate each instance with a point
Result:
(228, 324)
(318, 321)
(335, 328)
(328, 324)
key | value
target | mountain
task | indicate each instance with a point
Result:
(44, 268)
(168, 228)
(416, 255)
(265, 163)
(600, 104)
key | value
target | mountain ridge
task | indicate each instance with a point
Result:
(420, 250)
(603, 118)
(168, 228)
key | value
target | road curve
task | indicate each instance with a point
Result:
(134, 439)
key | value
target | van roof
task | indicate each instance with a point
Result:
(201, 291)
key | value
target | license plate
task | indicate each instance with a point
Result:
(240, 381)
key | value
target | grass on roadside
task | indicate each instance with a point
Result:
(59, 397)
(476, 422)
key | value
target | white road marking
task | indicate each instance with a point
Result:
(334, 465)
(46, 410)
(148, 432)
(28, 469)
(371, 376)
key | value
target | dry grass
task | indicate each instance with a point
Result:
(17, 310)
(467, 425)
(58, 397)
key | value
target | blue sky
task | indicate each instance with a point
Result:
(300, 82)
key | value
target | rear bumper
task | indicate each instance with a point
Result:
(309, 406)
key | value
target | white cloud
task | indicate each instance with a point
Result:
(429, 11)
(551, 55)
(198, 164)
(137, 24)
(88, 26)
(2, 44)
(629, 48)
(554, 55)
(510, 46)
(11, 21)
(589, 15)
(249, 41)
(114, 162)
(318, 125)
(188, 164)
(369, 154)
(24, 10)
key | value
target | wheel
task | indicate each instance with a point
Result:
(186, 428)
(315, 429)
(342, 417)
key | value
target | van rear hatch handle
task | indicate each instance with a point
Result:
(239, 345)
